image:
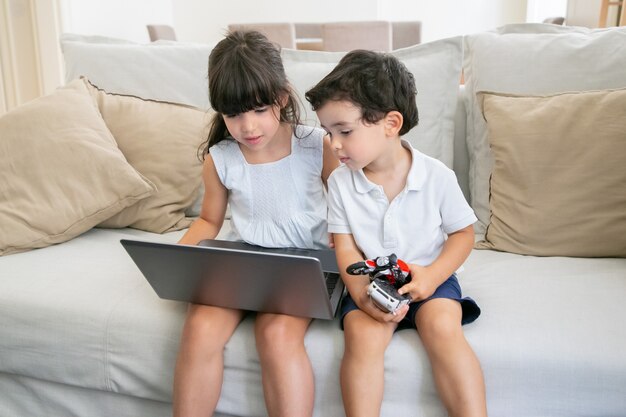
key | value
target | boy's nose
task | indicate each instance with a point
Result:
(335, 144)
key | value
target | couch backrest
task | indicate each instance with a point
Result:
(176, 72)
(461, 157)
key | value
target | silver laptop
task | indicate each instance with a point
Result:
(298, 282)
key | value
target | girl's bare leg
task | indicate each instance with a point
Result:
(456, 370)
(363, 367)
(288, 381)
(200, 364)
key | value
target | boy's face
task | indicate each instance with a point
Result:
(356, 144)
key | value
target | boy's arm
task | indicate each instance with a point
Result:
(426, 279)
(213, 210)
(348, 253)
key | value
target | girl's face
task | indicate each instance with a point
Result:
(355, 143)
(254, 129)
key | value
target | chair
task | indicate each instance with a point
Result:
(557, 20)
(308, 30)
(284, 34)
(309, 36)
(346, 36)
(406, 34)
(157, 32)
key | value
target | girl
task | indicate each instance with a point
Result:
(271, 171)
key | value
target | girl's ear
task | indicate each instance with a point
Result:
(284, 100)
(393, 123)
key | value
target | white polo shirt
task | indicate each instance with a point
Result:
(414, 225)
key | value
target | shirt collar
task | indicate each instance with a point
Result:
(415, 178)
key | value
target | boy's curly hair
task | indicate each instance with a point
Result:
(376, 82)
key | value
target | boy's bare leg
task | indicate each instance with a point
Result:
(363, 367)
(456, 370)
(288, 381)
(200, 364)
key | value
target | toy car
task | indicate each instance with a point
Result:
(387, 275)
(386, 297)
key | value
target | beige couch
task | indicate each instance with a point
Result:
(83, 334)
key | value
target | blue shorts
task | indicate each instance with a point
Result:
(449, 289)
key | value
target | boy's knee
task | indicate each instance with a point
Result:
(366, 336)
(441, 326)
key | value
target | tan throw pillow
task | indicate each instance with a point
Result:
(558, 187)
(62, 172)
(161, 141)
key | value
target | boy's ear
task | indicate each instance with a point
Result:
(393, 123)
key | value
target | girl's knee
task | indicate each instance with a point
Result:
(280, 335)
(208, 328)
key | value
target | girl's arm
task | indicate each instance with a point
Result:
(348, 253)
(330, 160)
(426, 279)
(208, 225)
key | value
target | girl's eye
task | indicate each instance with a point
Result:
(229, 116)
(260, 109)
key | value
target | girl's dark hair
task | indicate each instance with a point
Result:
(376, 82)
(246, 72)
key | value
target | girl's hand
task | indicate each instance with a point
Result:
(423, 284)
(365, 303)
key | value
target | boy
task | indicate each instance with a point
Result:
(389, 198)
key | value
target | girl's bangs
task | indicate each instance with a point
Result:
(238, 94)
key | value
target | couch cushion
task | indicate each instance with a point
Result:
(532, 59)
(558, 186)
(167, 71)
(62, 172)
(436, 66)
(161, 141)
(93, 321)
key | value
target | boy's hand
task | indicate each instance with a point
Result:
(423, 284)
(366, 304)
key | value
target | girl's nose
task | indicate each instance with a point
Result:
(247, 122)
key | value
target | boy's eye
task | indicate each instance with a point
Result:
(345, 132)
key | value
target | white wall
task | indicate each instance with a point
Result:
(206, 20)
(538, 10)
(445, 18)
(125, 19)
(584, 12)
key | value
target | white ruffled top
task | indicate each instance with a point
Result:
(280, 203)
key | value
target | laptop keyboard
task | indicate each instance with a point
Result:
(331, 281)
